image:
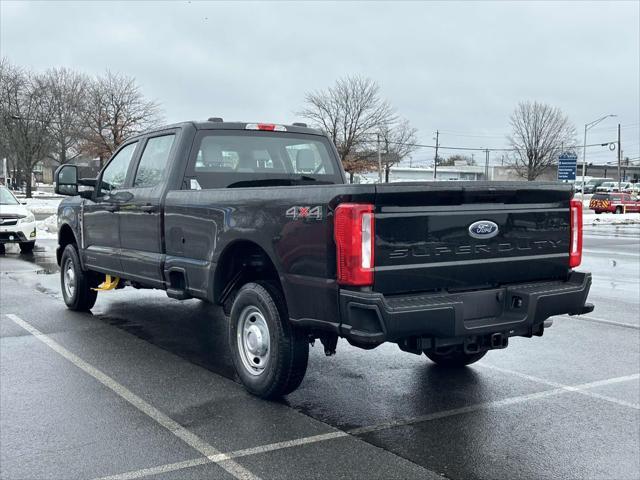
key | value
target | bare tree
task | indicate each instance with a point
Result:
(398, 142)
(540, 132)
(351, 112)
(26, 115)
(68, 92)
(115, 110)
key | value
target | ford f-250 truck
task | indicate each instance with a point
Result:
(259, 219)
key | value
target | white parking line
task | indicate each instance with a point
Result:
(174, 427)
(581, 390)
(135, 474)
(487, 405)
(169, 467)
(225, 460)
(606, 322)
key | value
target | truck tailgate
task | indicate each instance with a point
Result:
(435, 236)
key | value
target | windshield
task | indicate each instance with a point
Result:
(7, 198)
(247, 158)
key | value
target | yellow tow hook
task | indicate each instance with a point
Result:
(109, 284)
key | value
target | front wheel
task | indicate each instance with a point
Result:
(269, 354)
(455, 358)
(76, 284)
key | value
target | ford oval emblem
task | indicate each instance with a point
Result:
(483, 229)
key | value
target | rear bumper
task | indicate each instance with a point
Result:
(371, 318)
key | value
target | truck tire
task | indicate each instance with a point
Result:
(619, 210)
(75, 283)
(269, 354)
(455, 358)
(27, 247)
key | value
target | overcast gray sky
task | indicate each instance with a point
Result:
(459, 67)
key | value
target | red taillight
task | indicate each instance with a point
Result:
(575, 250)
(353, 231)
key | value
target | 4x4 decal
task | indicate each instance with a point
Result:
(296, 212)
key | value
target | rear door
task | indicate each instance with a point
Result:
(101, 226)
(463, 237)
(141, 215)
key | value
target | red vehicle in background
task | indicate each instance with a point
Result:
(614, 203)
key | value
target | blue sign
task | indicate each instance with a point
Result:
(567, 166)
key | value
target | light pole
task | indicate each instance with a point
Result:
(435, 163)
(587, 126)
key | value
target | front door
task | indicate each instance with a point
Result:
(141, 215)
(100, 225)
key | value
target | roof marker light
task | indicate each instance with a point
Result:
(268, 127)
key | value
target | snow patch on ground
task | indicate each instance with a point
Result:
(42, 205)
(47, 228)
(611, 219)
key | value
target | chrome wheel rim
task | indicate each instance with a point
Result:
(254, 343)
(69, 279)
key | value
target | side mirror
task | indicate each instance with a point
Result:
(66, 180)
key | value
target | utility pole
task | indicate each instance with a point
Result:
(379, 162)
(619, 158)
(486, 164)
(587, 126)
(435, 163)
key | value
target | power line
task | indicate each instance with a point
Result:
(421, 145)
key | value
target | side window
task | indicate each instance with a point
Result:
(153, 163)
(115, 173)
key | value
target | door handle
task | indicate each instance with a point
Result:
(149, 208)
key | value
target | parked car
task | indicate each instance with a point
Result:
(614, 203)
(605, 187)
(17, 223)
(608, 187)
(259, 219)
(633, 189)
(591, 185)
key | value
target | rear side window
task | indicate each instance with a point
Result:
(223, 159)
(153, 163)
(115, 173)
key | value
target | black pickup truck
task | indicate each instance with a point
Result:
(259, 219)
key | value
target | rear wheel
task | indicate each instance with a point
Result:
(454, 358)
(76, 284)
(27, 247)
(269, 354)
(619, 210)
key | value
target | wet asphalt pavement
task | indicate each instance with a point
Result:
(144, 388)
